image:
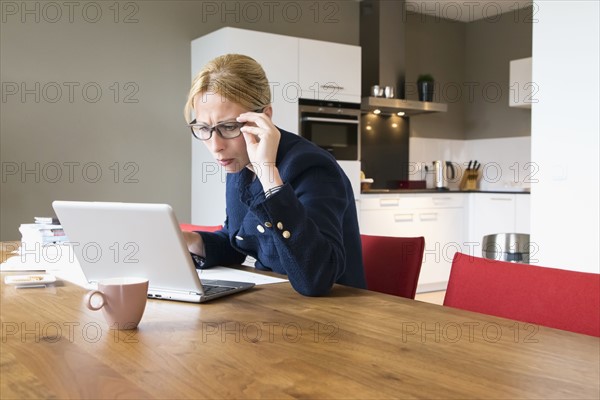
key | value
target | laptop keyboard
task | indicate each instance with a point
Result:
(211, 289)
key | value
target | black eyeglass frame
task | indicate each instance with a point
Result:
(213, 128)
(216, 127)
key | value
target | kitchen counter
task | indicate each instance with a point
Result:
(413, 191)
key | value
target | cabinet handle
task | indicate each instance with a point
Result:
(330, 86)
(501, 198)
(389, 202)
(441, 199)
(332, 120)
(403, 217)
(428, 217)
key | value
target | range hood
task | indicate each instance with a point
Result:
(402, 107)
(382, 38)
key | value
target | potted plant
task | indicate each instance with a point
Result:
(425, 87)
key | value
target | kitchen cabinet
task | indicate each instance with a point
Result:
(522, 213)
(491, 213)
(329, 71)
(437, 217)
(522, 89)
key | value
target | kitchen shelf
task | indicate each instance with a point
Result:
(409, 107)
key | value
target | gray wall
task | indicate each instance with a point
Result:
(490, 47)
(470, 63)
(62, 139)
(436, 46)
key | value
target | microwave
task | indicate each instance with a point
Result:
(333, 126)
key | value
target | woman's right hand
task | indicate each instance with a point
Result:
(194, 243)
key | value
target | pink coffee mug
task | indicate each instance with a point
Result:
(123, 301)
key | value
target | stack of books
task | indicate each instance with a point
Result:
(45, 230)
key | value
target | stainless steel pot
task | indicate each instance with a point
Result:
(377, 91)
(513, 247)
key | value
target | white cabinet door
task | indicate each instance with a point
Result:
(329, 71)
(490, 213)
(443, 229)
(391, 222)
(523, 213)
(271, 51)
(522, 89)
(386, 215)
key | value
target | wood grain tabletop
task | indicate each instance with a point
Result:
(271, 342)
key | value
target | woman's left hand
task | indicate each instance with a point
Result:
(262, 141)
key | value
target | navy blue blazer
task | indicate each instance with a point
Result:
(308, 230)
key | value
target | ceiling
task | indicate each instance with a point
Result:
(466, 10)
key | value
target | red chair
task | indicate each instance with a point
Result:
(551, 297)
(393, 264)
(204, 228)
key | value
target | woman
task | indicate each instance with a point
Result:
(289, 205)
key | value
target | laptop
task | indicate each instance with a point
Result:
(140, 240)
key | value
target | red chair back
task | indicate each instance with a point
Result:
(551, 297)
(203, 228)
(393, 264)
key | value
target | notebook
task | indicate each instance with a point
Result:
(140, 240)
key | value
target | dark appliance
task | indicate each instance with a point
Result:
(333, 126)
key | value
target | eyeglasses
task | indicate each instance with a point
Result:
(227, 130)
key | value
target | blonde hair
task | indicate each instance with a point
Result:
(236, 77)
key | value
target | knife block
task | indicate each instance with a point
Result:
(470, 180)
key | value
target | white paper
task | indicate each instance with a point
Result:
(232, 274)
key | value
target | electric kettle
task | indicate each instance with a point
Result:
(443, 171)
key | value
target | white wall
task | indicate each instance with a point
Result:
(564, 204)
(505, 161)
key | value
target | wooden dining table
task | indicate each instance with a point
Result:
(271, 342)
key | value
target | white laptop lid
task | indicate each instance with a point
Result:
(129, 239)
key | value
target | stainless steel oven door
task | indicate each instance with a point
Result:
(333, 127)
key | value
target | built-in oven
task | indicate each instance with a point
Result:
(333, 126)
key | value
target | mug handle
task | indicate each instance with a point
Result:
(88, 300)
